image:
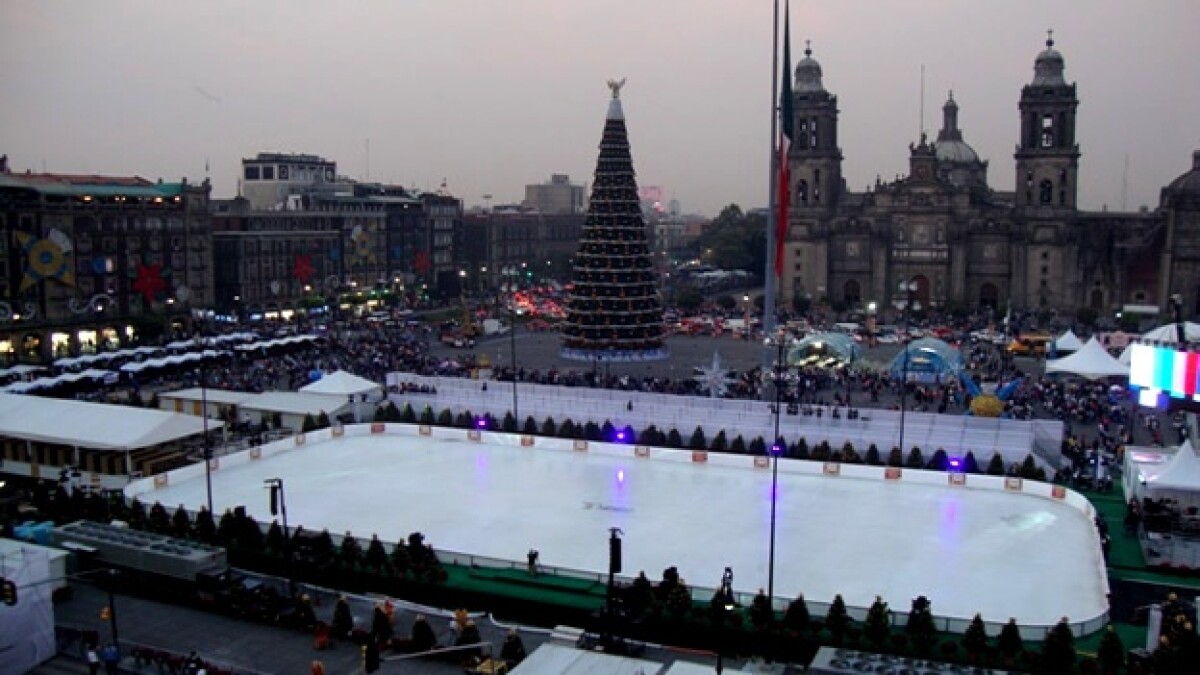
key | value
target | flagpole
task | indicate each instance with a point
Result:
(769, 286)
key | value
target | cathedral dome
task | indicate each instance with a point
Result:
(950, 146)
(1190, 181)
(955, 151)
(808, 73)
(1048, 67)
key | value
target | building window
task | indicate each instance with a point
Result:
(252, 173)
(802, 191)
(268, 173)
(1046, 191)
(1045, 270)
(1048, 131)
(1045, 255)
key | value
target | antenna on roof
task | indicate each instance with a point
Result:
(922, 120)
(368, 146)
(1125, 182)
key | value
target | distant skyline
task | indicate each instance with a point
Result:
(492, 96)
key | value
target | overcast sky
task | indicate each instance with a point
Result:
(494, 94)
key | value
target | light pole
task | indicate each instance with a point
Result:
(725, 606)
(746, 316)
(511, 274)
(908, 288)
(279, 506)
(200, 342)
(780, 341)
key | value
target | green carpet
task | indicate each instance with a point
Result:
(1125, 558)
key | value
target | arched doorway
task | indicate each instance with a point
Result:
(852, 293)
(921, 295)
(989, 296)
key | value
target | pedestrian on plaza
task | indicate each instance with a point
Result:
(110, 656)
(93, 660)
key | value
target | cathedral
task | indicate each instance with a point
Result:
(955, 242)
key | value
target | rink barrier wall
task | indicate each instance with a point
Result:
(955, 433)
(785, 466)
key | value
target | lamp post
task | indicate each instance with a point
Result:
(725, 606)
(200, 342)
(780, 341)
(112, 609)
(279, 506)
(908, 288)
(511, 274)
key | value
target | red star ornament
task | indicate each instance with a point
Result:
(149, 281)
(303, 268)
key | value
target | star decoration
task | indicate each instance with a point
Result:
(303, 268)
(149, 281)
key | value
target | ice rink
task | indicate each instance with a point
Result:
(1002, 554)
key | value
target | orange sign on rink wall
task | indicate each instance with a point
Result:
(579, 446)
(641, 451)
(762, 463)
(1012, 483)
(161, 481)
(832, 469)
(527, 441)
(214, 463)
(255, 453)
(378, 427)
(339, 431)
(474, 435)
(299, 439)
(1058, 492)
(699, 456)
(425, 430)
(958, 479)
(893, 473)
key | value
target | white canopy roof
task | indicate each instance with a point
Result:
(219, 396)
(552, 659)
(296, 403)
(1168, 333)
(341, 383)
(1181, 473)
(1068, 342)
(1091, 361)
(93, 425)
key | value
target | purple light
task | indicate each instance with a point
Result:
(481, 423)
(620, 475)
(620, 437)
(955, 462)
(776, 449)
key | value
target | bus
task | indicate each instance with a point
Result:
(1030, 344)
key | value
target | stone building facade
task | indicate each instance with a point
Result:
(93, 263)
(965, 245)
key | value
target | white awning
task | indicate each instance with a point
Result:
(93, 425)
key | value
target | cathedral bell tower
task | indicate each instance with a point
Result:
(814, 159)
(1047, 158)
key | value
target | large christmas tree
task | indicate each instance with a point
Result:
(613, 311)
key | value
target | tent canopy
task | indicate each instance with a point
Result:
(1180, 479)
(341, 383)
(838, 345)
(1092, 362)
(99, 426)
(1068, 342)
(1168, 333)
(927, 359)
(554, 659)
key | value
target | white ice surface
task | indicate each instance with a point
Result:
(997, 553)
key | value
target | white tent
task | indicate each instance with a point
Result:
(553, 659)
(1068, 342)
(1179, 479)
(1091, 361)
(342, 383)
(1169, 334)
(93, 425)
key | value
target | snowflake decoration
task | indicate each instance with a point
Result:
(714, 379)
